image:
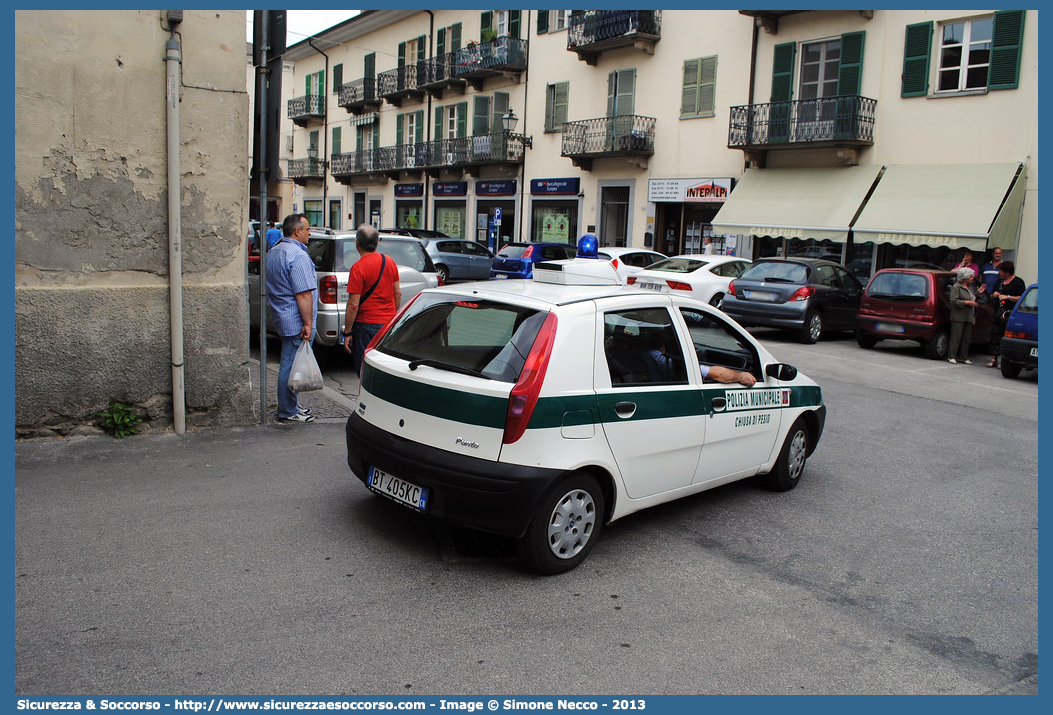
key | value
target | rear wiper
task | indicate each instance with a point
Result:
(778, 280)
(439, 365)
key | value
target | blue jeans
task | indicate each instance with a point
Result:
(361, 334)
(288, 404)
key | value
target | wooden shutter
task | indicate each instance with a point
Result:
(399, 121)
(562, 102)
(849, 80)
(438, 124)
(338, 77)
(462, 119)
(402, 54)
(513, 22)
(336, 141)
(486, 22)
(621, 90)
(440, 42)
(376, 135)
(1006, 44)
(917, 44)
(420, 125)
(542, 22)
(500, 107)
(689, 91)
(369, 72)
(455, 37)
(359, 139)
(481, 116)
(422, 48)
(707, 86)
(782, 72)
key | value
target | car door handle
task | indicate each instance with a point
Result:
(625, 409)
(719, 403)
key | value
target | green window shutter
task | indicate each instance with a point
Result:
(624, 92)
(542, 22)
(689, 93)
(336, 141)
(420, 125)
(462, 119)
(513, 22)
(481, 116)
(707, 86)
(1007, 41)
(440, 42)
(782, 72)
(369, 73)
(455, 37)
(402, 54)
(849, 80)
(422, 48)
(398, 129)
(376, 136)
(562, 102)
(338, 77)
(438, 124)
(359, 139)
(500, 105)
(917, 44)
(486, 21)
(307, 90)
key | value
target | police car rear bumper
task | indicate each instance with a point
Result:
(478, 493)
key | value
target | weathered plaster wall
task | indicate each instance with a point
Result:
(91, 217)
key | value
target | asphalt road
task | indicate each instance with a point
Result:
(250, 561)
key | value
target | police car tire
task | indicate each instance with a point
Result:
(578, 499)
(792, 459)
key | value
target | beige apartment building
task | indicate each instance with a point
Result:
(880, 137)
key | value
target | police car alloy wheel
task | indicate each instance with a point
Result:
(790, 467)
(566, 525)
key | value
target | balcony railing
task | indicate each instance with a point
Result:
(302, 170)
(359, 95)
(592, 32)
(304, 110)
(402, 82)
(846, 120)
(504, 54)
(466, 152)
(626, 135)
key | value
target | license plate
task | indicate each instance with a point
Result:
(760, 295)
(1034, 352)
(889, 328)
(398, 489)
(651, 286)
(500, 275)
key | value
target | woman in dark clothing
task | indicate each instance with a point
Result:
(963, 315)
(1007, 292)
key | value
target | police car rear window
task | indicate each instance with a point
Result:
(484, 337)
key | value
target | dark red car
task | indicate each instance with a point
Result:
(913, 304)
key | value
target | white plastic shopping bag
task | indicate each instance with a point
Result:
(305, 374)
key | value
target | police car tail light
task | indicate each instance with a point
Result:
(383, 331)
(524, 395)
(803, 293)
(678, 285)
(327, 289)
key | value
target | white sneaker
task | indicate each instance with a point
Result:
(967, 362)
(952, 361)
(300, 417)
(305, 410)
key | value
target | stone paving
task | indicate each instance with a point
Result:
(327, 404)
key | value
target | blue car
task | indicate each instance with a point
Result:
(516, 260)
(1020, 343)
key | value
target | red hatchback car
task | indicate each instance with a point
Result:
(913, 304)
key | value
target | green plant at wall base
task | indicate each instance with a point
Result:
(120, 420)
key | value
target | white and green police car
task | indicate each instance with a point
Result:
(545, 409)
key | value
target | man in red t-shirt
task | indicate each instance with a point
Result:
(373, 295)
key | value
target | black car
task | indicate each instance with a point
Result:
(808, 295)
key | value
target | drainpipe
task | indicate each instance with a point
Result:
(427, 129)
(325, 137)
(175, 231)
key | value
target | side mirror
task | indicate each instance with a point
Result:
(781, 371)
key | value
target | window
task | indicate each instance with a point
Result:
(552, 20)
(499, 23)
(312, 144)
(488, 111)
(448, 39)
(828, 68)
(716, 343)
(314, 212)
(973, 54)
(315, 84)
(965, 55)
(700, 81)
(338, 77)
(451, 121)
(642, 348)
(820, 65)
(556, 99)
(621, 92)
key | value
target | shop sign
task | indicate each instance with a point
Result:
(409, 189)
(495, 188)
(688, 190)
(449, 188)
(555, 186)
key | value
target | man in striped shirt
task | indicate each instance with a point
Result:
(292, 286)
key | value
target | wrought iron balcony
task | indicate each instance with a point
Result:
(627, 135)
(593, 32)
(845, 121)
(467, 153)
(403, 82)
(304, 111)
(437, 74)
(359, 96)
(303, 171)
(504, 55)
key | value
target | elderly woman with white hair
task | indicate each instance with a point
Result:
(963, 315)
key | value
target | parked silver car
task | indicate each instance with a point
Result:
(458, 259)
(333, 254)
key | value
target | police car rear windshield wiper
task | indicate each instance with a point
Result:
(439, 365)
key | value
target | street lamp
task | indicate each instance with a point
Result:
(510, 120)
